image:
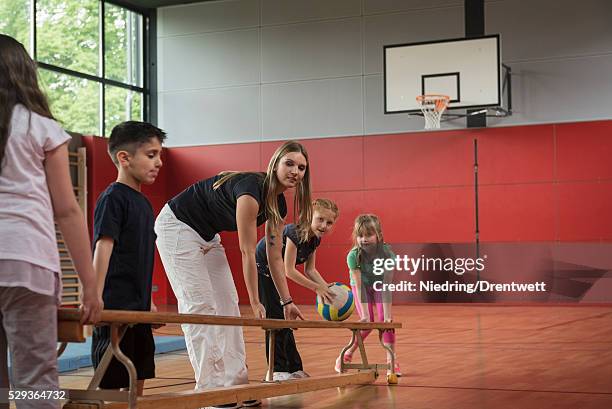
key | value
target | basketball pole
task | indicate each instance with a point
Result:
(477, 226)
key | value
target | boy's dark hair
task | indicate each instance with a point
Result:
(129, 135)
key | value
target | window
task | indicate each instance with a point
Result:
(121, 105)
(15, 20)
(74, 101)
(90, 55)
(67, 34)
(122, 39)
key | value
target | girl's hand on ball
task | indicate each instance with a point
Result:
(325, 293)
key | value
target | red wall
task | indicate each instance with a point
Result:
(537, 183)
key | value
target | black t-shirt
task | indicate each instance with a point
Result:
(304, 249)
(209, 211)
(126, 216)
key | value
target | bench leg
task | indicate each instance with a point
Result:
(74, 405)
(271, 349)
(90, 402)
(356, 338)
(61, 348)
(391, 375)
(346, 348)
(362, 351)
(133, 391)
(104, 362)
(365, 365)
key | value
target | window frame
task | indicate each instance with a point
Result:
(148, 16)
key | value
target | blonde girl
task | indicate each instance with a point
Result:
(300, 243)
(368, 245)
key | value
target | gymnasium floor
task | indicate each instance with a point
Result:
(452, 357)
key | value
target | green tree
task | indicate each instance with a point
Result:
(15, 20)
(75, 102)
(122, 63)
(68, 36)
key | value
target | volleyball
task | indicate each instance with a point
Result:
(342, 305)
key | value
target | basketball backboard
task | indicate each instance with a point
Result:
(467, 69)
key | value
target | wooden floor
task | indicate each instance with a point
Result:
(452, 357)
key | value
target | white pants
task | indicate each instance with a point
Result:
(203, 284)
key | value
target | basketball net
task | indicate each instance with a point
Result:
(433, 106)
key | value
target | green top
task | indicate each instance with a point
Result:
(367, 265)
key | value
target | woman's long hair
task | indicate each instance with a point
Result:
(18, 85)
(301, 201)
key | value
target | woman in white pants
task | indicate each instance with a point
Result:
(190, 248)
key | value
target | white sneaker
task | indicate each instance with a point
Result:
(281, 376)
(299, 375)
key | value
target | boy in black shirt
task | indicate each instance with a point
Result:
(124, 246)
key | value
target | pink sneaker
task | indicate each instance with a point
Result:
(396, 369)
(347, 360)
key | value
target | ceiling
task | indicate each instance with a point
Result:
(152, 4)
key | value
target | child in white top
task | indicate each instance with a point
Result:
(35, 187)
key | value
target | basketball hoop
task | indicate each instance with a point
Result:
(432, 107)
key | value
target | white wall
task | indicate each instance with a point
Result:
(251, 70)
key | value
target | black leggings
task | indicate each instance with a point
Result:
(286, 356)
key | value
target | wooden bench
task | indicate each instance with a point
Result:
(70, 330)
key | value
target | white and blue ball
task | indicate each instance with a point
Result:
(342, 304)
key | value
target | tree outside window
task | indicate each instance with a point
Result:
(90, 57)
